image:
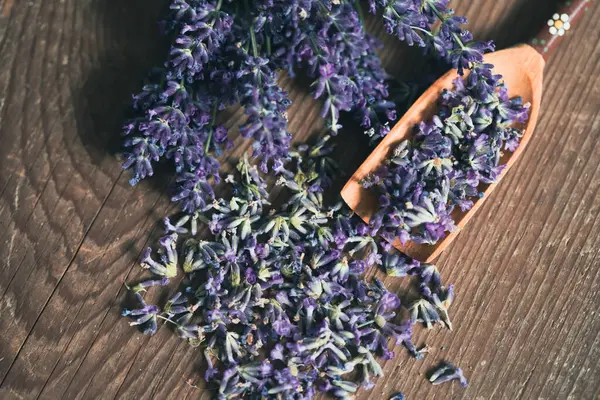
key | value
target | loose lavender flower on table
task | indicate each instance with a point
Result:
(144, 317)
(447, 372)
(284, 281)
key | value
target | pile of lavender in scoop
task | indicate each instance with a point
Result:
(448, 158)
(274, 296)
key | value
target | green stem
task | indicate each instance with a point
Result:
(167, 319)
(457, 38)
(212, 129)
(333, 119)
(443, 19)
(253, 41)
(437, 13)
(422, 30)
(252, 33)
(365, 324)
(217, 9)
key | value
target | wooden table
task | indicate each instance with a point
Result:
(526, 270)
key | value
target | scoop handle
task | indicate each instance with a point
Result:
(559, 25)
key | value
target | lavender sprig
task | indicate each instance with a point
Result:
(266, 106)
(413, 21)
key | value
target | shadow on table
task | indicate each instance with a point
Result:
(523, 22)
(131, 46)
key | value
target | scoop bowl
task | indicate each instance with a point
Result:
(522, 70)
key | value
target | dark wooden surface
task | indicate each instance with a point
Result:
(526, 270)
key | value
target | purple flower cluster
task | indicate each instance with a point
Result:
(274, 296)
(329, 41)
(414, 21)
(213, 63)
(435, 299)
(227, 52)
(448, 158)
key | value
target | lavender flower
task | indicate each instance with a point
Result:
(143, 286)
(266, 106)
(348, 75)
(145, 316)
(447, 372)
(424, 311)
(226, 53)
(413, 22)
(440, 299)
(203, 27)
(398, 265)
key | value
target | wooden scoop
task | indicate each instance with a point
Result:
(522, 70)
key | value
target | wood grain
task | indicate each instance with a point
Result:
(526, 268)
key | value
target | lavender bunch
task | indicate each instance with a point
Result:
(213, 63)
(178, 108)
(227, 52)
(283, 282)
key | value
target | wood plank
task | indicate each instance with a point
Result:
(526, 269)
(60, 182)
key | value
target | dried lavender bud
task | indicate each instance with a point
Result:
(441, 300)
(145, 316)
(397, 396)
(447, 372)
(142, 286)
(168, 265)
(413, 351)
(398, 265)
(423, 311)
